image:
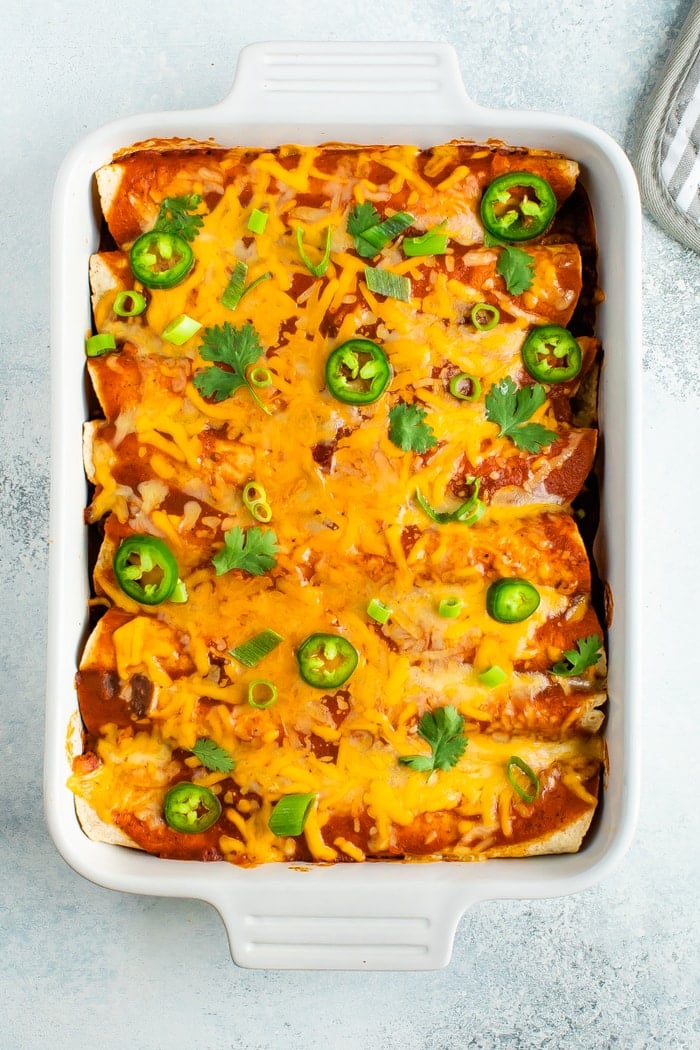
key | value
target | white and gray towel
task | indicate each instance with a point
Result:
(668, 151)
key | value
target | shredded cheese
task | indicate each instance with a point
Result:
(168, 461)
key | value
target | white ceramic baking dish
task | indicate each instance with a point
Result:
(373, 915)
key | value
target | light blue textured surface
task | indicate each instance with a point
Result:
(80, 966)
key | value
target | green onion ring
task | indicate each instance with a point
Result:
(474, 391)
(493, 316)
(253, 492)
(450, 608)
(269, 690)
(492, 676)
(289, 814)
(255, 501)
(129, 304)
(180, 330)
(378, 611)
(260, 376)
(514, 760)
(261, 511)
(257, 221)
(102, 343)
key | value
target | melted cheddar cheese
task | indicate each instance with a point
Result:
(166, 461)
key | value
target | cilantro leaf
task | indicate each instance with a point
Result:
(420, 763)
(586, 654)
(363, 217)
(175, 216)
(444, 731)
(514, 265)
(510, 407)
(217, 383)
(533, 437)
(212, 756)
(236, 349)
(407, 429)
(252, 550)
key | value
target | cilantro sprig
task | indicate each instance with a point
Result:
(511, 408)
(236, 349)
(586, 654)
(443, 730)
(252, 550)
(407, 429)
(213, 757)
(514, 265)
(177, 215)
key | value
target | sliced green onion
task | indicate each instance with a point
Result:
(465, 386)
(290, 813)
(260, 376)
(179, 595)
(255, 500)
(257, 221)
(233, 293)
(236, 288)
(378, 611)
(493, 676)
(484, 317)
(384, 232)
(129, 304)
(384, 282)
(181, 329)
(97, 345)
(468, 513)
(470, 517)
(250, 653)
(262, 693)
(256, 282)
(526, 796)
(261, 511)
(450, 608)
(317, 269)
(433, 242)
(440, 518)
(253, 492)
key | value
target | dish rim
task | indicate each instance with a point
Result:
(273, 81)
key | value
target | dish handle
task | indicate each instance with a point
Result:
(322, 82)
(326, 925)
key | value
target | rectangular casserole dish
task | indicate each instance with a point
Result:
(379, 915)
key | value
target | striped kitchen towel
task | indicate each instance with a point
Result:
(668, 151)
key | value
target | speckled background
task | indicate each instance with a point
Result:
(80, 966)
